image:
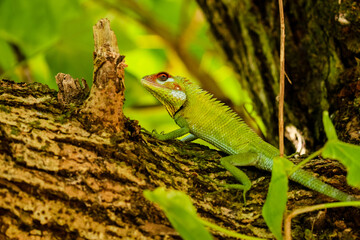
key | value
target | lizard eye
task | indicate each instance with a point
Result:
(163, 76)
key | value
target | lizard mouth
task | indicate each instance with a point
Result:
(148, 80)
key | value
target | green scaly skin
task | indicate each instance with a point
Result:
(201, 115)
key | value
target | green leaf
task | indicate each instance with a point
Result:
(329, 127)
(180, 212)
(347, 154)
(275, 204)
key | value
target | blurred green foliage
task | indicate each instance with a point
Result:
(40, 38)
(181, 213)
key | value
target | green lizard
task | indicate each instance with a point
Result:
(201, 115)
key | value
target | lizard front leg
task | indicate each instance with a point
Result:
(171, 135)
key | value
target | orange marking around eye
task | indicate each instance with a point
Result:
(187, 81)
(177, 86)
(162, 73)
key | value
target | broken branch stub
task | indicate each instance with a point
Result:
(103, 108)
(70, 90)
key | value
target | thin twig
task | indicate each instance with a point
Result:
(287, 77)
(287, 227)
(282, 79)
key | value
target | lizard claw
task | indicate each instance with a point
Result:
(145, 131)
(153, 133)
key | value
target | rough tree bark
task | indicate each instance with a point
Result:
(74, 170)
(322, 45)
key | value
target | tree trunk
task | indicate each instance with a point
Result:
(322, 43)
(78, 171)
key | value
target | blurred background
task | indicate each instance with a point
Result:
(40, 38)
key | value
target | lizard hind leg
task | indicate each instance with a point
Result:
(241, 159)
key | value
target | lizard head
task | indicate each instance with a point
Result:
(168, 89)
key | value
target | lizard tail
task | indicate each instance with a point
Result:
(307, 179)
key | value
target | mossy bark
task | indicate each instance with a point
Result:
(66, 175)
(322, 44)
